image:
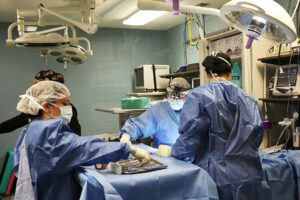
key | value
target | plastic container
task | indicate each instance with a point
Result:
(237, 75)
(134, 102)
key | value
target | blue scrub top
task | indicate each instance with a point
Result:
(54, 151)
(160, 121)
(221, 127)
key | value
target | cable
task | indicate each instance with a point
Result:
(286, 138)
(281, 134)
(189, 19)
(296, 8)
(288, 103)
(288, 7)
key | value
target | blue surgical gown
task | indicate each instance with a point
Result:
(221, 127)
(54, 152)
(160, 121)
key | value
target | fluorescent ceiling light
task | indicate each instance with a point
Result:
(30, 28)
(142, 17)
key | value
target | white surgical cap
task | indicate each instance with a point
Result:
(44, 91)
(180, 82)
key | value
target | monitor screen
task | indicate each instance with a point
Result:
(196, 82)
(287, 77)
(139, 77)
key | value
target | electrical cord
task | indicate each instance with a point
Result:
(286, 138)
(288, 103)
(189, 19)
(281, 134)
(296, 8)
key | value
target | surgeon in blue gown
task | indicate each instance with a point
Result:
(160, 120)
(221, 127)
(50, 149)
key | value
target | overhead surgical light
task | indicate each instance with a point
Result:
(260, 18)
(41, 40)
(61, 48)
(256, 18)
(30, 28)
(143, 17)
(71, 54)
(37, 41)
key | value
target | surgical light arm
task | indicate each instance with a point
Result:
(256, 18)
(89, 11)
(90, 28)
(158, 5)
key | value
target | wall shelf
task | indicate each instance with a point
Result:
(279, 99)
(282, 60)
(192, 73)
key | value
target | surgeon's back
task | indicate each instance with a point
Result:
(221, 127)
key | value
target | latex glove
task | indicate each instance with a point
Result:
(141, 154)
(164, 151)
(125, 138)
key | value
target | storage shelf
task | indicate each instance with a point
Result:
(278, 99)
(119, 110)
(282, 60)
(192, 73)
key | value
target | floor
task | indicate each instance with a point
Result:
(11, 197)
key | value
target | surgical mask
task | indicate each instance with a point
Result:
(176, 104)
(66, 113)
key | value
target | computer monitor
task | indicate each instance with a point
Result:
(144, 77)
(195, 82)
(286, 81)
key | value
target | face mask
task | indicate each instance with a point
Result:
(66, 112)
(176, 104)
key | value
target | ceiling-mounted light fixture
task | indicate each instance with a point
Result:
(264, 19)
(143, 17)
(61, 48)
(30, 28)
(256, 18)
(42, 39)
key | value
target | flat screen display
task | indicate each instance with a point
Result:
(287, 77)
(139, 77)
(196, 83)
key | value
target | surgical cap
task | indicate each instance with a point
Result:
(219, 63)
(44, 91)
(180, 83)
(49, 75)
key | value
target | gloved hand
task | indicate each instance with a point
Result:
(125, 138)
(141, 154)
(164, 151)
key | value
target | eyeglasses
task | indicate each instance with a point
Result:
(177, 93)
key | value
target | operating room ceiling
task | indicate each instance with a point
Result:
(113, 19)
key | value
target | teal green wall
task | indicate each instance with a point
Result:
(175, 43)
(102, 81)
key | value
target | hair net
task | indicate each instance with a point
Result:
(217, 63)
(180, 83)
(49, 75)
(44, 91)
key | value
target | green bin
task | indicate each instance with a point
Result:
(7, 171)
(134, 102)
